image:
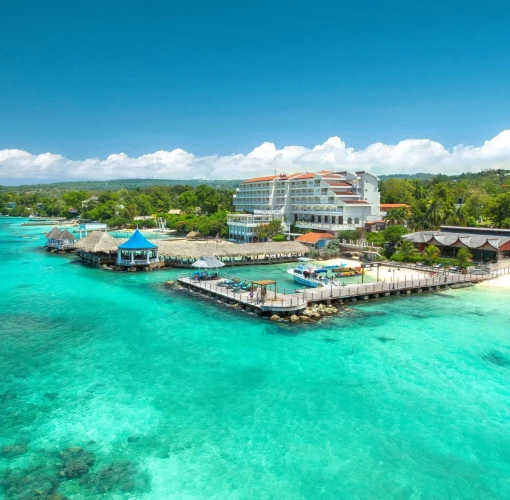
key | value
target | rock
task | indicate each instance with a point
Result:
(29, 484)
(170, 282)
(275, 317)
(13, 450)
(294, 319)
(133, 439)
(118, 476)
(315, 315)
(50, 395)
(305, 319)
(76, 462)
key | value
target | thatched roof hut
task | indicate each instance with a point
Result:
(99, 242)
(54, 234)
(191, 250)
(66, 236)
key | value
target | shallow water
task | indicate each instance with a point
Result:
(402, 398)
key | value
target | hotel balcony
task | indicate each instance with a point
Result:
(324, 226)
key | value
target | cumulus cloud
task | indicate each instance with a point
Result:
(408, 156)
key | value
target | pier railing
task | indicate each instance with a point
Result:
(390, 287)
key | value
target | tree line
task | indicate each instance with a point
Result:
(202, 208)
(481, 199)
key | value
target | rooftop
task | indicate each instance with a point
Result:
(314, 237)
(137, 242)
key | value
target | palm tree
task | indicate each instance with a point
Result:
(397, 215)
(457, 217)
(435, 214)
(464, 256)
(431, 254)
(416, 222)
(406, 249)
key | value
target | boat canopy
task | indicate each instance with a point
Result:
(304, 259)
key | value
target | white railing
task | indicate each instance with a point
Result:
(324, 225)
(135, 262)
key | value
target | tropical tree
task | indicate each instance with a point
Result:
(458, 217)
(397, 215)
(393, 234)
(406, 249)
(435, 213)
(416, 222)
(431, 254)
(464, 256)
(265, 231)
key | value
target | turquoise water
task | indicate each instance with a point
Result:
(178, 398)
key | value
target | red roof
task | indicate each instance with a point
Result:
(338, 183)
(302, 176)
(314, 237)
(262, 179)
(394, 205)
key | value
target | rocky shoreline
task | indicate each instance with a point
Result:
(313, 313)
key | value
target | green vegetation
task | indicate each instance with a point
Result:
(464, 256)
(270, 230)
(201, 208)
(481, 199)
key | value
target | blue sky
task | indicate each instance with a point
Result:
(88, 79)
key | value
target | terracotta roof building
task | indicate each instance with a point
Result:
(316, 240)
(325, 201)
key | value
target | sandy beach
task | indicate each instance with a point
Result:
(501, 282)
(386, 273)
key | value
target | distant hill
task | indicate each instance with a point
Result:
(115, 185)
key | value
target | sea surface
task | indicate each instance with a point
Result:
(114, 386)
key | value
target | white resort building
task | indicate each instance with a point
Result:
(323, 201)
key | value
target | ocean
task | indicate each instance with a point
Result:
(116, 386)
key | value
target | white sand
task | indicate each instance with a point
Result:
(501, 282)
(386, 273)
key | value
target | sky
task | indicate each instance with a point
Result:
(201, 89)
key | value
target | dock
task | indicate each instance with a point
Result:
(291, 303)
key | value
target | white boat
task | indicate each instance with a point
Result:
(309, 275)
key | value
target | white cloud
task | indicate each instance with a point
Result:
(408, 156)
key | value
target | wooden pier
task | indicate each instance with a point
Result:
(290, 303)
(275, 302)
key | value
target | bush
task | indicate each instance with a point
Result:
(353, 234)
(279, 237)
(393, 234)
(397, 257)
(375, 238)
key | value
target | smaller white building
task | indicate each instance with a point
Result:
(241, 227)
(86, 227)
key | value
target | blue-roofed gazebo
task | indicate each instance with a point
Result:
(137, 251)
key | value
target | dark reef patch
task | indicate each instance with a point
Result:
(496, 358)
(385, 339)
(29, 484)
(76, 462)
(120, 476)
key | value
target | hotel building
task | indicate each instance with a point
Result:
(324, 201)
